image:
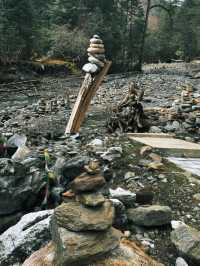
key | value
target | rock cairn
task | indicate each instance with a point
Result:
(187, 110)
(182, 117)
(96, 56)
(41, 106)
(50, 106)
(82, 225)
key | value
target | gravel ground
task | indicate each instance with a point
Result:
(171, 186)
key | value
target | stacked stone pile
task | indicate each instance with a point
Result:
(182, 117)
(50, 106)
(187, 110)
(41, 106)
(82, 226)
(53, 106)
(96, 55)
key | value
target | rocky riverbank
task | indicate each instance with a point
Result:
(46, 171)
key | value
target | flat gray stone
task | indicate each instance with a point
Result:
(154, 215)
(187, 241)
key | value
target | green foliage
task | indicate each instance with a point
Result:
(62, 28)
(67, 43)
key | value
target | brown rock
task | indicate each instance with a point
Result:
(126, 254)
(145, 150)
(76, 217)
(68, 194)
(81, 248)
(93, 167)
(155, 166)
(96, 50)
(96, 41)
(42, 257)
(95, 45)
(155, 157)
(98, 56)
(91, 199)
(87, 182)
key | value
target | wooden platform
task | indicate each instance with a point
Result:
(166, 143)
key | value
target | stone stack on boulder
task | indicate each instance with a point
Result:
(54, 106)
(61, 102)
(82, 226)
(187, 110)
(182, 117)
(96, 56)
(82, 230)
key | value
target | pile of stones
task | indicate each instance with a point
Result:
(50, 106)
(41, 106)
(96, 56)
(82, 225)
(182, 117)
(187, 111)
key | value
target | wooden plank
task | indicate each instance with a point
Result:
(171, 146)
(150, 135)
(86, 93)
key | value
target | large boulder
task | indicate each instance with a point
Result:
(19, 187)
(82, 247)
(126, 254)
(154, 215)
(187, 241)
(7, 221)
(28, 235)
(76, 217)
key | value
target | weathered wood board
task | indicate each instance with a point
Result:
(171, 146)
(86, 93)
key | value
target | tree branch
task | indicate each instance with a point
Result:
(161, 6)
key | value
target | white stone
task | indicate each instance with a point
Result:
(125, 196)
(181, 262)
(21, 154)
(90, 68)
(17, 140)
(112, 153)
(176, 224)
(96, 142)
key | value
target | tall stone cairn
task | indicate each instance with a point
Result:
(96, 56)
(82, 225)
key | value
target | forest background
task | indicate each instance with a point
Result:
(134, 31)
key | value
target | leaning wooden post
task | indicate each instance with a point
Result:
(95, 73)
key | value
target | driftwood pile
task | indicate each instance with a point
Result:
(129, 116)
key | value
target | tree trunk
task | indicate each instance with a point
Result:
(138, 67)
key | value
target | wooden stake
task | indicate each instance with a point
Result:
(87, 92)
